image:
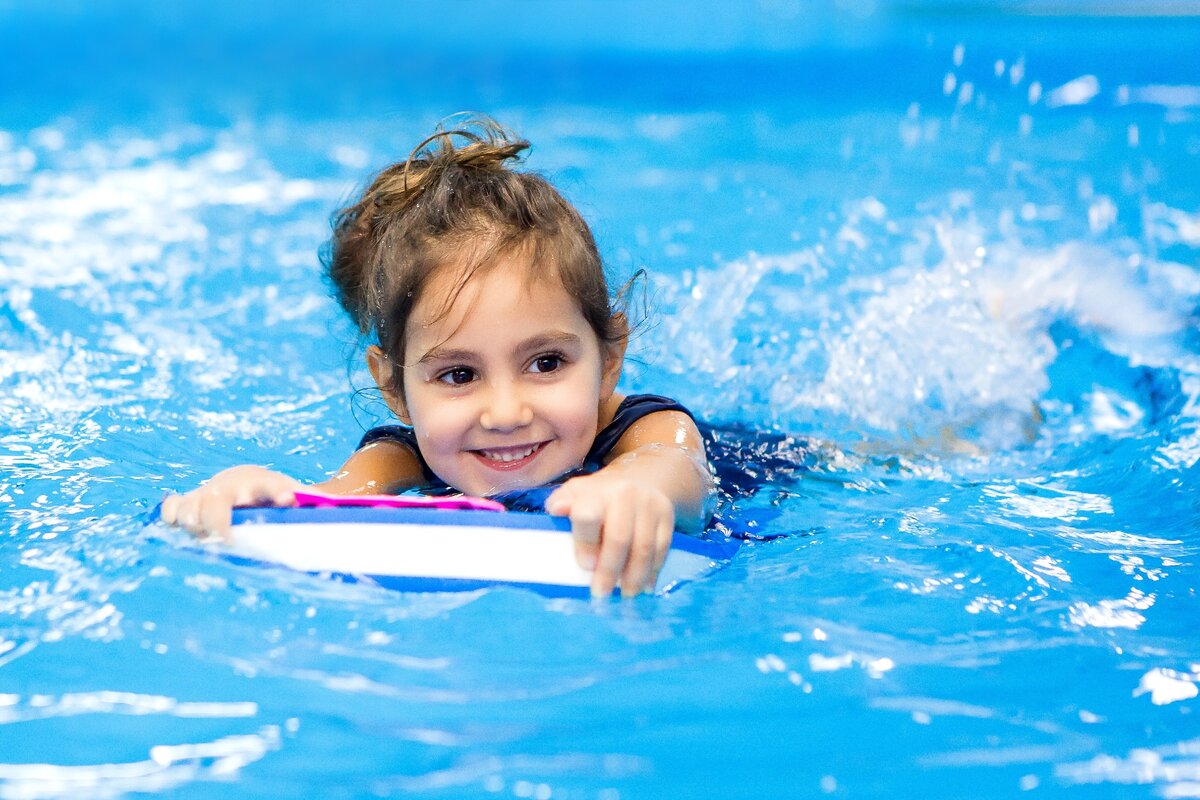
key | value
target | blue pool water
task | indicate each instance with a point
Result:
(931, 271)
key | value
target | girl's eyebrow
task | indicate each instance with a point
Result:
(446, 354)
(541, 340)
(550, 339)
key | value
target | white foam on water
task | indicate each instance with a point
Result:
(1173, 96)
(121, 231)
(1174, 768)
(13, 708)
(168, 767)
(1077, 92)
(1167, 686)
(1168, 226)
(1040, 499)
(1123, 613)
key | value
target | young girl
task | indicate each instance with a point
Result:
(500, 351)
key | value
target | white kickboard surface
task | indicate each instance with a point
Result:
(428, 550)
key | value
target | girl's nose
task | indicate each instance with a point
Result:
(506, 410)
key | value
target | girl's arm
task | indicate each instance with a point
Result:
(623, 515)
(207, 510)
(381, 466)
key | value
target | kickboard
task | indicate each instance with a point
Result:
(425, 548)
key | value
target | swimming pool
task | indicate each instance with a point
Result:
(930, 270)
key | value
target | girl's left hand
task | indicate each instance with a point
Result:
(622, 529)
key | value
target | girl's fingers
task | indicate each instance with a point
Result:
(186, 514)
(662, 536)
(283, 495)
(247, 496)
(622, 534)
(168, 509)
(619, 521)
(558, 504)
(587, 516)
(215, 516)
(586, 522)
(208, 510)
(279, 491)
(642, 553)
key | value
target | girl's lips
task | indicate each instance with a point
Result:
(505, 459)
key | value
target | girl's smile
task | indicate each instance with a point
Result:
(508, 458)
(508, 386)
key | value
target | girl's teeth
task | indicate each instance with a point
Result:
(508, 455)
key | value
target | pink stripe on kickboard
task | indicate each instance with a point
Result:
(459, 502)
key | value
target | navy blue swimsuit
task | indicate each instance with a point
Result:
(632, 408)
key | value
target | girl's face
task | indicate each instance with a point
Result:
(505, 390)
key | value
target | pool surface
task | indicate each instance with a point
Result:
(930, 271)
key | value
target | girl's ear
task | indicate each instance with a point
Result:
(614, 357)
(384, 375)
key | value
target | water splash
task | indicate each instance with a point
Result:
(961, 347)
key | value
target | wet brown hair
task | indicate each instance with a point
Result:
(456, 203)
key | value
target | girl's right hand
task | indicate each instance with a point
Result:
(207, 511)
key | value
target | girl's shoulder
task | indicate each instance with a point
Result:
(629, 410)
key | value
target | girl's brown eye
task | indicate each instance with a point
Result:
(457, 377)
(546, 363)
